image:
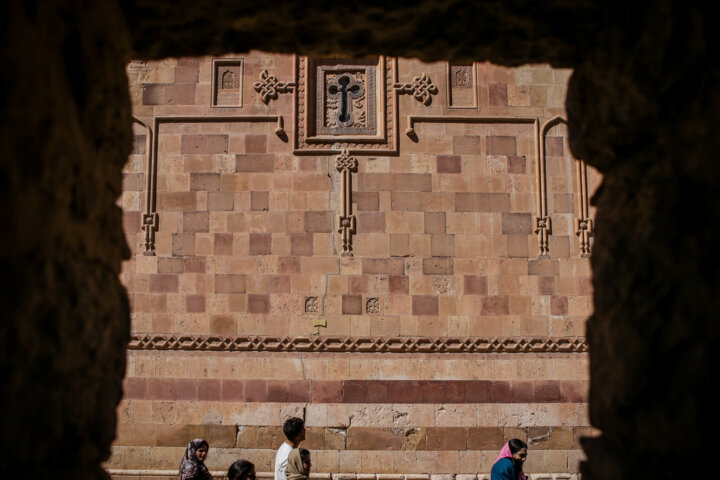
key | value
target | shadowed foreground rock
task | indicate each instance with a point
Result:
(642, 104)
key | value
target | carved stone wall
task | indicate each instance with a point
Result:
(642, 104)
(401, 303)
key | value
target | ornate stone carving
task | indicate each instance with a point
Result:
(543, 229)
(311, 305)
(269, 87)
(583, 224)
(343, 92)
(421, 88)
(227, 76)
(345, 105)
(358, 344)
(372, 305)
(345, 164)
(150, 224)
(462, 85)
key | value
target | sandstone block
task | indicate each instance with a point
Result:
(203, 144)
(230, 283)
(449, 164)
(257, 303)
(425, 305)
(254, 163)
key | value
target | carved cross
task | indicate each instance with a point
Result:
(345, 88)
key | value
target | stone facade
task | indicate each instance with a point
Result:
(401, 261)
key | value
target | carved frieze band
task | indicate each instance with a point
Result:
(151, 217)
(345, 164)
(269, 87)
(359, 344)
(421, 88)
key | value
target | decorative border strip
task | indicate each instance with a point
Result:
(122, 473)
(255, 343)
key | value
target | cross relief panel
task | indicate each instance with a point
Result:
(344, 104)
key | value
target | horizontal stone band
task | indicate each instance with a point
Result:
(359, 344)
(356, 391)
(354, 438)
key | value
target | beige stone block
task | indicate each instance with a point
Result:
(454, 415)
(427, 462)
(404, 461)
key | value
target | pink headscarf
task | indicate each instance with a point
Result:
(505, 452)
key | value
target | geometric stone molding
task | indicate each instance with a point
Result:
(461, 85)
(345, 104)
(447, 345)
(345, 164)
(584, 228)
(150, 217)
(269, 86)
(542, 220)
(150, 220)
(421, 88)
(227, 82)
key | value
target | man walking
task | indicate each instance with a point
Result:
(294, 430)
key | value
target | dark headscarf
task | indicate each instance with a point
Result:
(190, 467)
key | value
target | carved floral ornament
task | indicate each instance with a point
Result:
(269, 87)
(421, 88)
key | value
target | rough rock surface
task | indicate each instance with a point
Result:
(642, 105)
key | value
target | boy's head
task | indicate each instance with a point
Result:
(294, 429)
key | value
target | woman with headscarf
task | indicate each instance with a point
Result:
(192, 466)
(509, 464)
(298, 467)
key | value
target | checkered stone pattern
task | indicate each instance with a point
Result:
(473, 339)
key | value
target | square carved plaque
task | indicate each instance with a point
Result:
(345, 104)
(227, 82)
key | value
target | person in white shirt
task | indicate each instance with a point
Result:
(294, 429)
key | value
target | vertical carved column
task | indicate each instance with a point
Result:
(543, 226)
(346, 164)
(583, 223)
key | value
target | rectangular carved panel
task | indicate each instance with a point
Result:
(345, 104)
(227, 82)
(462, 85)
